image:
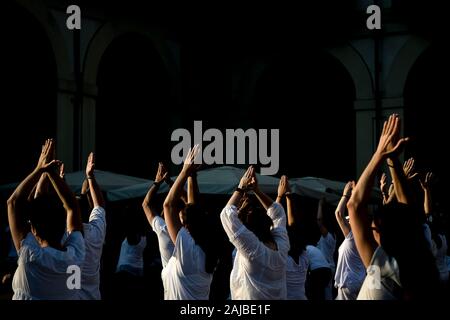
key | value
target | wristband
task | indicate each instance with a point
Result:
(240, 190)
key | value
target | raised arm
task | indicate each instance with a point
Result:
(94, 188)
(284, 189)
(426, 187)
(244, 185)
(171, 205)
(359, 200)
(17, 201)
(263, 198)
(384, 188)
(192, 190)
(70, 203)
(342, 207)
(147, 204)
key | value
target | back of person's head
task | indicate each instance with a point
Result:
(297, 241)
(255, 218)
(402, 236)
(204, 232)
(48, 218)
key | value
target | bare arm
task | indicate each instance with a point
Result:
(192, 190)
(147, 204)
(70, 203)
(174, 195)
(16, 207)
(18, 200)
(94, 188)
(426, 187)
(263, 198)
(322, 228)
(342, 207)
(359, 201)
(285, 190)
(243, 186)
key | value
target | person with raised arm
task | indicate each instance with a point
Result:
(157, 222)
(261, 241)
(188, 273)
(297, 261)
(94, 237)
(438, 239)
(350, 271)
(393, 247)
(43, 260)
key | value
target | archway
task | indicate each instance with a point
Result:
(29, 89)
(321, 140)
(133, 107)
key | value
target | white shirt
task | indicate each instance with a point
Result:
(316, 258)
(185, 277)
(350, 270)
(327, 245)
(41, 273)
(382, 281)
(131, 257)
(259, 273)
(296, 277)
(166, 246)
(441, 257)
(94, 237)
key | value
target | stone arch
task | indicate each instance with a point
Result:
(402, 64)
(107, 33)
(48, 22)
(358, 70)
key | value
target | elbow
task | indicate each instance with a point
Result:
(11, 202)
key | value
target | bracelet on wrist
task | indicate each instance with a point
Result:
(240, 190)
(90, 177)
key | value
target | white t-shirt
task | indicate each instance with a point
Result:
(382, 281)
(166, 246)
(185, 277)
(41, 273)
(94, 237)
(131, 257)
(259, 273)
(316, 258)
(327, 245)
(296, 277)
(350, 270)
(441, 257)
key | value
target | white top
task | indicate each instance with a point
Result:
(166, 246)
(259, 273)
(296, 277)
(41, 273)
(184, 277)
(316, 258)
(441, 257)
(382, 281)
(94, 237)
(327, 245)
(350, 270)
(132, 257)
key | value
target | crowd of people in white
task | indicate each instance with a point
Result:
(395, 252)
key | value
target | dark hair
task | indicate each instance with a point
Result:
(48, 218)
(402, 237)
(204, 232)
(257, 221)
(297, 241)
